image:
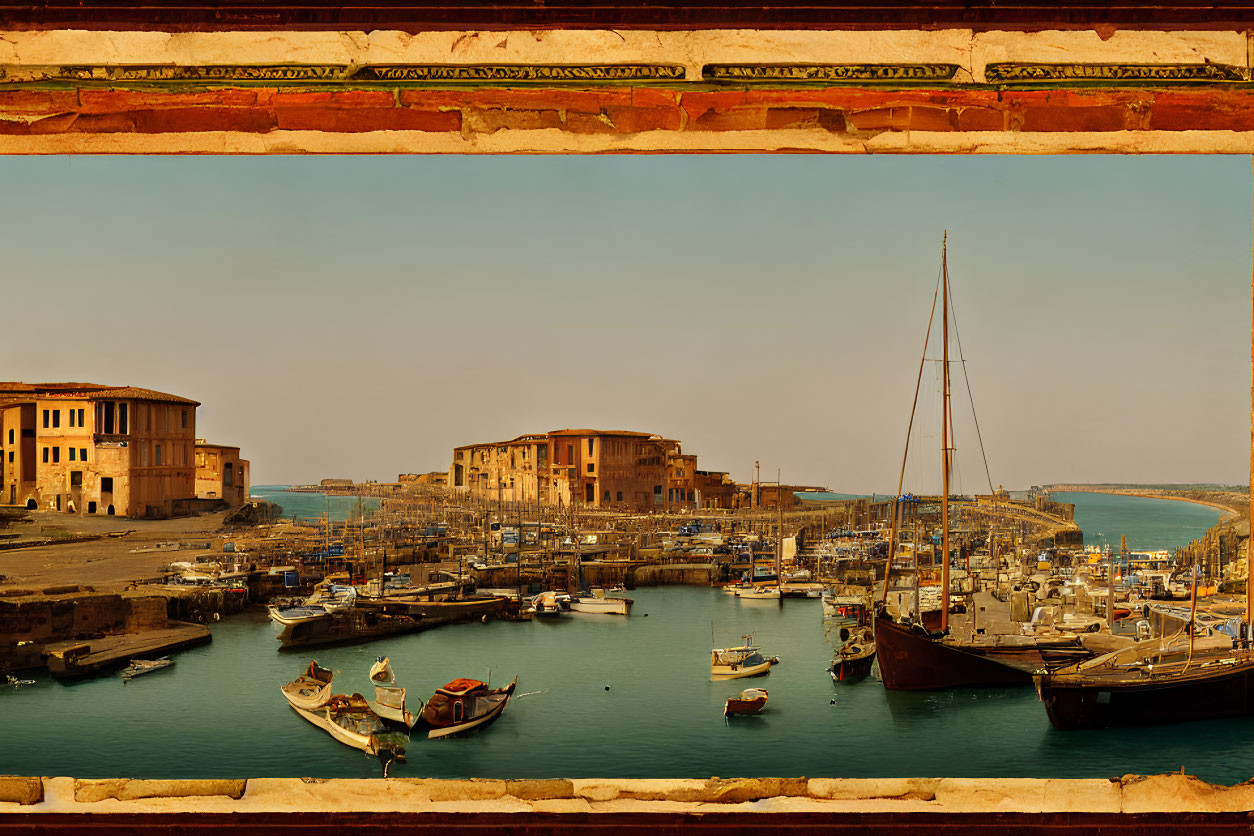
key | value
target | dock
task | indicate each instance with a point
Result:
(74, 659)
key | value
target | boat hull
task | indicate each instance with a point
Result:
(719, 672)
(852, 668)
(1074, 701)
(747, 704)
(910, 661)
(602, 606)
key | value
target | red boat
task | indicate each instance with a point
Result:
(749, 702)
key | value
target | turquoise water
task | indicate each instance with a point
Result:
(599, 696)
(1147, 523)
(307, 505)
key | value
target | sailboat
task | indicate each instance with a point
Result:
(911, 655)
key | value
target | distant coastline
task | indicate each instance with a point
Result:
(1231, 505)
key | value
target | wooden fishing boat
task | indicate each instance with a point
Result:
(914, 659)
(740, 662)
(914, 656)
(1147, 685)
(464, 705)
(311, 689)
(854, 659)
(350, 720)
(139, 667)
(750, 702)
(381, 670)
(389, 703)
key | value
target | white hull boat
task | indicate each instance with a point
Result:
(599, 602)
(739, 662)
(759, 593)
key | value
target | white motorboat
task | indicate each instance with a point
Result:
(327, 598)
(759, 593)
(740, 662)
(601, 602)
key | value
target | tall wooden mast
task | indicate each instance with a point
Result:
(1249, 543)
(944, 436)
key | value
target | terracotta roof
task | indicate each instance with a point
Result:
(14, 390)
(631, 433)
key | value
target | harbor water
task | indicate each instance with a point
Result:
(598, 696)
(311, 505)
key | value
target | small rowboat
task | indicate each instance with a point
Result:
(463, 705)
(381, 670)
(139, 667)
(311, 689)
(750, 702)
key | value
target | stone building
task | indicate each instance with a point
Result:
(221, 473)
(87, 448)
(598, 468)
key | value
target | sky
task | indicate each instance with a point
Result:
(361, 316)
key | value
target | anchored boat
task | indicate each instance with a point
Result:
(740, 662)
(311, 689)
(464, 705)
(750, 702)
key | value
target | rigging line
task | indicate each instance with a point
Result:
(892, 531)
(971, 398)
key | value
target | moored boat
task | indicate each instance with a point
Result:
(913, 659)
(350, 720)
(598, 601)
(855, 658)
(551, 604)
(389, 703)
(139, 667)
(311, 689)
(759, 593)
(464, 705)
(740, 662)
(381, 670)
(1146, 685)
(751, 701)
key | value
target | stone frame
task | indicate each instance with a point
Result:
(828, 77)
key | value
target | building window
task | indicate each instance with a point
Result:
(56, 418)
(620, 496)
(76, 478)
(47, 418)
(106, 484)
(657, 490)
(10, 457)
(228, 474)
(73, 453)
(82, 454)
(71, 417)
(158, 458)
(56, 455)
(10, 436)
(589, 447)
(185, 419)
(81, 422)
(607, 496)
(123, 419)
(46, 454)
(589, 467)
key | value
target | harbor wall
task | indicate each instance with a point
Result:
(1173, 803)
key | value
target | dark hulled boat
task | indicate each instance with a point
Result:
(912, 660)
(1142, 685)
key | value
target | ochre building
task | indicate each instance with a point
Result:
(599, 468)
(86, 448)
(221, 473)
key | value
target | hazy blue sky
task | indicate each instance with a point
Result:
(361, 316)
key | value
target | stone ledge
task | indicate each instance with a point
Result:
(1130, 794)
(21, 790)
